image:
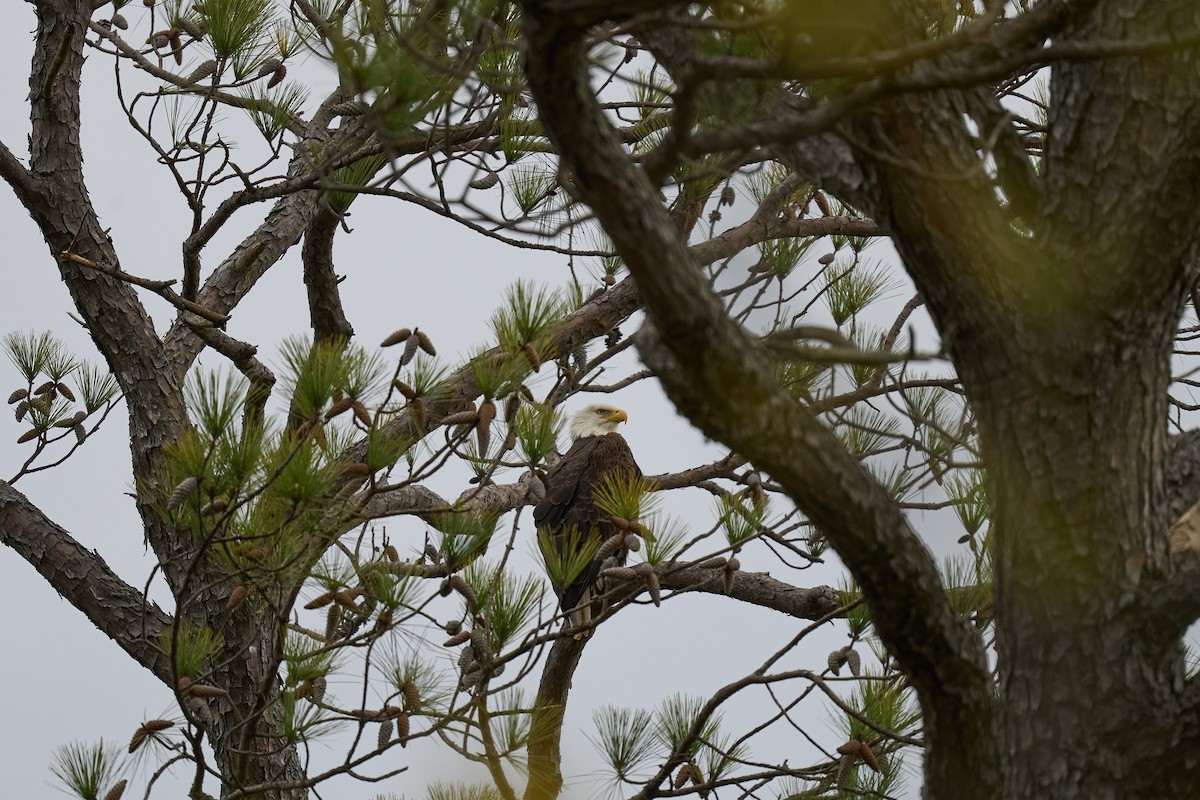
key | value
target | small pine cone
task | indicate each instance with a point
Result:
(510, 441)
(176, 45)
(728, 196)
(204, 690)
(609, 546)
(320, 601)
(345, 599)
(727, 578)
(304, 690)
(184, 684)
(464, 589)
(466, 658)
(71, 421)
(457, 639)
(28, 436)
(453, 627)
(19, 394)
(317, 694)
(183, 491)
(635, 527)
(826, 259)
(485, 182)
(159, 39)
(487, 410)
(836, 660)
(416, 410)
(389, 551)
(396, 337)
(361, 413)
(80, 433)
(613, 338)
(733, 564)
(158, 724)
(654, 588)
(339, 407)
(620, 573)
(385, 733)
(192, 27)
(402, 728)
(682, 776)
(350, 108)
(481, 646)
(120, 22)
(411, 697)
(531, 355)
(632, 543)
(845, 767)
(410, 350)
(272, 67)
(423, 342)
(609, 279)
(643, 569)
(333, 619)
(148, 3)
(236, 597)
(853, 660)
(712, 563)
(511, 405)
(139, 736)
(468, 417)
(203, 71)
(65, 391)
(483, 436)
(118, 788)
(864, 751)
(404, 389)
(620, 523)
(823, 204)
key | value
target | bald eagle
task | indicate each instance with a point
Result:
(568, 511)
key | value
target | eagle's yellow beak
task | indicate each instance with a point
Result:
(618, 415)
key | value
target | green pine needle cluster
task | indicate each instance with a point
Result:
(850, 288)
(191, 646)
(527, 316)
(440, 790)
(87, 770)
(663, 536)
(740, 519)
(623, 494)
(566, 556)
(511, 603)
(624, 737)
(538, 427)
(463, 534)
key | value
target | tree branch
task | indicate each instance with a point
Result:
(83, 579)
(717, 375)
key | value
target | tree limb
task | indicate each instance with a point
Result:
(117, 609)
(700, 355)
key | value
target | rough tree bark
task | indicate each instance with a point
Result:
(1062, 335)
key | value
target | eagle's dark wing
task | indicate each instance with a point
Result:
(569, 502)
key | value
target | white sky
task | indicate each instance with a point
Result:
(64, 680)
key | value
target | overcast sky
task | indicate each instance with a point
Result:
(405, 267)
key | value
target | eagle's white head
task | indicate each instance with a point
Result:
(596, 419)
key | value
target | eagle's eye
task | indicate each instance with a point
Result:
(601, 411)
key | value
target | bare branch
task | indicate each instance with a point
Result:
(117, 609)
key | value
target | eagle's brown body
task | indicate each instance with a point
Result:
(569, 506)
